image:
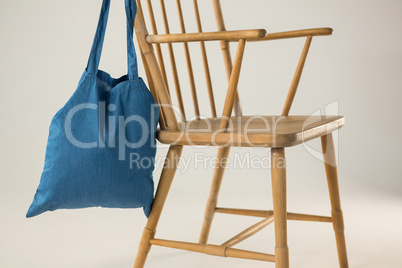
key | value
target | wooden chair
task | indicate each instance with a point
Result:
(227, 131)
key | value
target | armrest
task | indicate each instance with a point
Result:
(293, 34)
(207, 36)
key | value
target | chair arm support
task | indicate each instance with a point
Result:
(294, 34)
(207, 36)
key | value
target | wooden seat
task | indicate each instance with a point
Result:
(252, 131)
(225, 130)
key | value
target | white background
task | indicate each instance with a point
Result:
(43, 51)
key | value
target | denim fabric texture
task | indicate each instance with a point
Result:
(95, 137)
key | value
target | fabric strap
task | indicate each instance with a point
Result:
(96, 50)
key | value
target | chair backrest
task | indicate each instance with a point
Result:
(155, 78)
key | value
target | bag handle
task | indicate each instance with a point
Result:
(96, 50)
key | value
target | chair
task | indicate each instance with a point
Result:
(227, 130)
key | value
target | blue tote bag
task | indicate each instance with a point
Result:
(101, 146)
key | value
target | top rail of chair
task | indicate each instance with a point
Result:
(207, 36)
(295, 34)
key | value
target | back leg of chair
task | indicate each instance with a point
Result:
(328, 149)
(220, 166)
(278, 174)
(168, 172)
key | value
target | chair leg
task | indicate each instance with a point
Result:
(222, 155)
(328, 149)
(168, 172)
(278, 174)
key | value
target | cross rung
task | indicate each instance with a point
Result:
(267, 213)
(215, 250)
(249, 232)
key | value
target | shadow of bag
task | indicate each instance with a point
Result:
(101, 146)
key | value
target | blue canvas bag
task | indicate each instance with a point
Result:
(101, 146)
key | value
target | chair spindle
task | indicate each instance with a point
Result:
(205, 62)
(173, 64)
(188, 62)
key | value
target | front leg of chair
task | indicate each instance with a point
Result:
(328, 149)
(278, 174)
(220, 166)
(168, 172)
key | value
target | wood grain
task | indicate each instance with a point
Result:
(248, 131)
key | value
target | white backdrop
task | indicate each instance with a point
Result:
(43, 51)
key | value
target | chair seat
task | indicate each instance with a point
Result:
(252, 131)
